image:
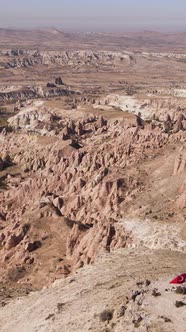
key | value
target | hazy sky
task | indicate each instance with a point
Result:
(94, 15)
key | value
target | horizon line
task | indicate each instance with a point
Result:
(136, 28)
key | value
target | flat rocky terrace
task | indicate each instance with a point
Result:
(124, 290)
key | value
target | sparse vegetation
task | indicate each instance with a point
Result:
(106, 315)
(180, 290)
(179, 304)
(3, 122)
(16, 273)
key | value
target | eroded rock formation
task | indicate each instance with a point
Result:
(84, 191)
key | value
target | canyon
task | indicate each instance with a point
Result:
(92, 181)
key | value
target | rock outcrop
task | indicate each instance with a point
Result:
(34, 93)
(26, 58)
(59, 81)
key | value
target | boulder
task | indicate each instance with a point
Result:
(59, 81)
(32, 246)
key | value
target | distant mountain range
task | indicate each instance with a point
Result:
(47, 37)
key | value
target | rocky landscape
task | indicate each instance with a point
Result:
(92, 183)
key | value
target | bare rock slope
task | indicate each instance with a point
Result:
(122, 291)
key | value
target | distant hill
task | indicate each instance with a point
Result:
(52, 38)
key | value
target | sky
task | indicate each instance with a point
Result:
(95, 15)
